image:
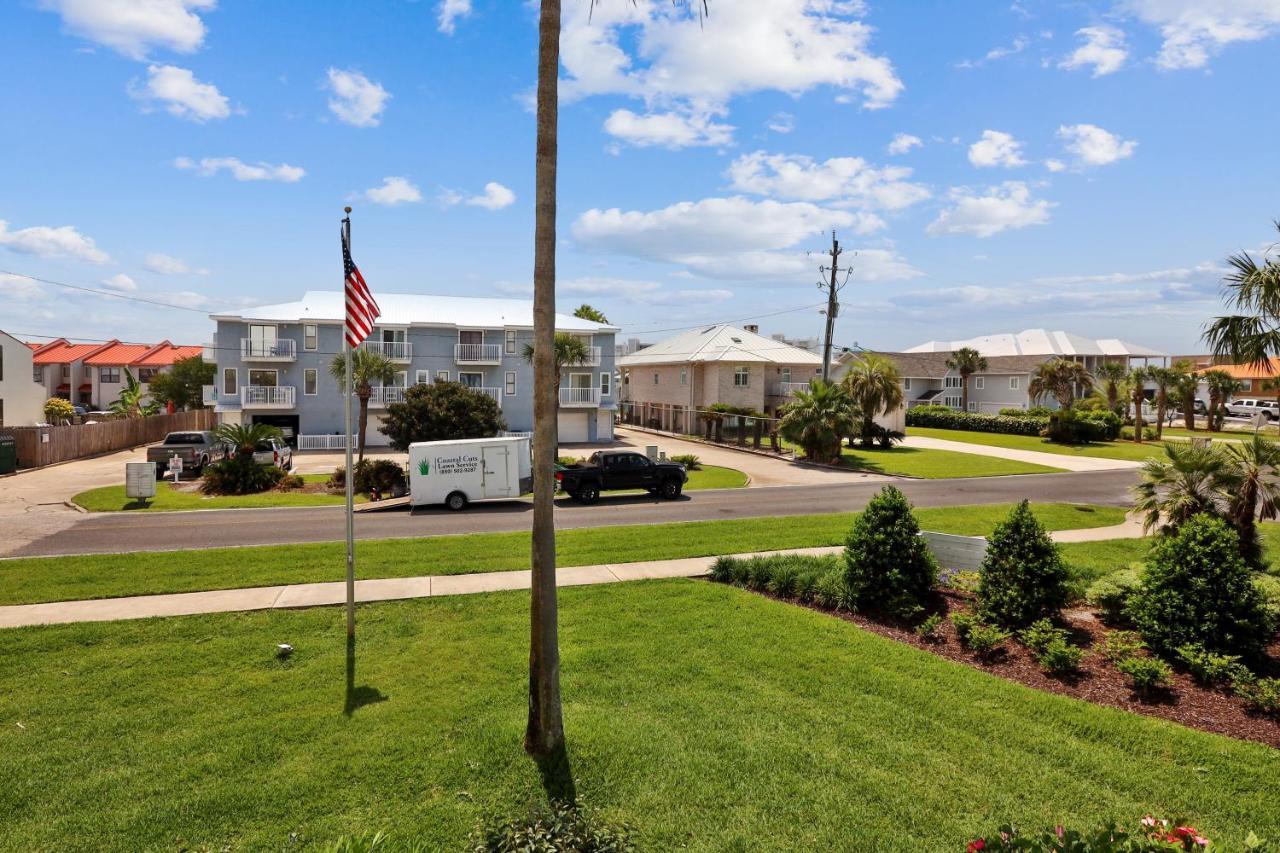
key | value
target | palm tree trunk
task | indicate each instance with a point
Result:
(964, 391)
(544, 734)
(1162, 403)
(1137, 417)
(1189, 410)
(363, 394)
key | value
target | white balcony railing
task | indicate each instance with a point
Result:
(477, 354)
(209, 394)
(209, 353)
(386, 394)
(394, 350)
(281, 350)
(267, 396)
(579, 396)
(788, 389)
(593, 357)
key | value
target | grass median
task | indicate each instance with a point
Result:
(707, 717)
(37, 579)
(1122, 450)
(929, 464)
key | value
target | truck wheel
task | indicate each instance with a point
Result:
(456, 501)
(671, 489)
(587, 494)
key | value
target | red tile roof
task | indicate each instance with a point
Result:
(1258, 370)
(117, 353)
(63, 352)
(164, 354)
(112, 353)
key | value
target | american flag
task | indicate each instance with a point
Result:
(362, 310)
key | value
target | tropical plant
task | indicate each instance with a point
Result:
(818, 419)
(1022, 577)
(244, 438)
(1254, 492)
(966, 361)
(183, 383)
(132, 395)
(441, 411)
(586, 312)
(1185, 384)
(568, 351)
(888, 566)
(1253, 288)
(368, 367)
(58, 410)
(1137, 384)
(875, 388)
(1165, 379)
(239, 475)
(1061, 379)
(1222, 385)
(1192, 479)
(1112, 375)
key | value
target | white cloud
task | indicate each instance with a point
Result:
(904, 142)
(651, 50)
(241, 171)
(357, 100)
(494, 197)
(394, 190)
(169, 265)
(1093, 146)
(1000, 208)
(996, 148)
(1054, 165)
(676, 129)
(781, 123)
(450, 12)
(1195, 30)
(120, 283)
(181, 94)
(1103, 50)
(842, 180)
(49, 242)
(20, 287)
(132, 27)
(1019, 44)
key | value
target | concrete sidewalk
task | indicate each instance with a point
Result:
(392, 589)
(1035, 457)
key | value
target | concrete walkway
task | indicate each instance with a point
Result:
(1035, 457)
(392, 589)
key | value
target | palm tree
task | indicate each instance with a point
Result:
(586, 312)
(243, 438)
(1255, 493)
(367, 367)
(874, 385)
(1252, 337)
(131, 397)
(1165, 379)
(1059, 378)
(818, 419)
(1112, 375)
(1137, 384)
(570, 351)
(1190, 480)
(1222, 385)
(966, 361)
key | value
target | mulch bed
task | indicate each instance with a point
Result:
(1097, 680)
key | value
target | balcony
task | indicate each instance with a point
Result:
(385, 395)
(209, 394)
(209, 353)
(267, 396)
(580, 397)
(477, 353)
(283, 350)
(788, 389)
(394, 350)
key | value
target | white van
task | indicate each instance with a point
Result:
(455, 473)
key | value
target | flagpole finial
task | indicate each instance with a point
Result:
(346, 210)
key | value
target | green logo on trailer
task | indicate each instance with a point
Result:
(424, 467)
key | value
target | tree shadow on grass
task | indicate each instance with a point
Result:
(557, 776)
(358, 697)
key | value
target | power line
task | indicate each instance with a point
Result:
(114, 295)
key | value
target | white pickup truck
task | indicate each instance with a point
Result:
(1248, 407)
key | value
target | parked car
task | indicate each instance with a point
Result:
(273, 451)
(195, 449)
(1248, 407)
(615, 470)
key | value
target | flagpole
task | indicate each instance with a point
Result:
(351, 476)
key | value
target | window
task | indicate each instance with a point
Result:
(402, 379)
(684, 376)
(442, 376)
(229, 381)
(37, 373)
(510, 342)
(906, 384)
(973, 407)
(741, 377)
(606, 383)
(146, 374)
(655, 377)
(264, 377)
(509, 385)
(309, 382)
(953, 402)
(262, 341)
(87, 371)
(471, 380)
(108, 374)
(979, 383)
(310, 337)
(1246, 384)
(421, 377)
(786, 374)
(66, 372)
(1013, 383)
(951, 382)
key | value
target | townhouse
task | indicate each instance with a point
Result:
(91, 375)
(21, 398)
(274, 363)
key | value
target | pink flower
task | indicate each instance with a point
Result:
(976, 845)
(1148, 821)
(1059, 831)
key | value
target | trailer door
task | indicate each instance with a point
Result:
(496, 480)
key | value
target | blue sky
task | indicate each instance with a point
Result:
(1077, 165)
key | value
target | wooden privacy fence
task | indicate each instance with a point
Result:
(39, 446)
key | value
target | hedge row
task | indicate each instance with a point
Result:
(944, 417)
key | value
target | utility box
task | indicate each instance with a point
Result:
(8, 454)
(140, 480)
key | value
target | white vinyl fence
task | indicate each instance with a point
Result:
(322, 442)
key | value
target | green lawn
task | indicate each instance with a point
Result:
(1092, 560)
(932, 464)
(30, 580)
(112, 498)
(1104, 449)
(707, 717)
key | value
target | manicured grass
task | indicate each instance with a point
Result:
(716, 477)
(931, 464)
(1104, 449)
(707, 717)
(1092, 560)
(29, 580)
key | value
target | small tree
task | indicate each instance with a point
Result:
(586, 312)
(442, 411)
(131, 399)
(183, 384)
(1222, 385)
(1022, 578)
(1197, 589)
(818, 420)
(1138, 392)
(1111, 374)
(367, 367)
(966, 361)
(887, 564)
(58, 410)
(1060, 378)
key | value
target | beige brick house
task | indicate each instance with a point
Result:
(717, 364)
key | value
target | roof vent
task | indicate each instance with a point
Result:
(736, 340)
(752, 328)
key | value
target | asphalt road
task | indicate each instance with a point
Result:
(164, 531)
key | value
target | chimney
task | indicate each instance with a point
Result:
(752, 328)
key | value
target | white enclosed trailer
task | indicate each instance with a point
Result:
(454, 473)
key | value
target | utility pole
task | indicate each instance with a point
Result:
(832, 288)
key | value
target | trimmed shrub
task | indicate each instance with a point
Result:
(387, 475)
(1197, 589)
(291, 482)
(1111, 594)
(1127, 433)
(239, 475)
(887, 564)
(1022, 577)
(1262, 695)
(1210, 669)
(1069, 426)
(1059, 657)
(1146, 675)
(964, 622)
(1269, 587)
(1122, 645)
(928, 629)
(984, 640)
(558, 828)
(944, 417)
(830, 590)
(690, 461)
(1040, 634)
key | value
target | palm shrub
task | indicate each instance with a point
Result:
(887, 564)
(239, 475)
(1197, 589)
(384, 474)
(818, 420)
(1022, 577)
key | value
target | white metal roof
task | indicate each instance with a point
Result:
(719, 343)
(1040, 342)
(415, 309)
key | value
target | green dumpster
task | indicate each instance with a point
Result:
(8, 454)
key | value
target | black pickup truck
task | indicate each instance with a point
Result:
(616, 470)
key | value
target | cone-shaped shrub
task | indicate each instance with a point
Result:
(1198, 589)
(1022, 578)
(887, 564)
